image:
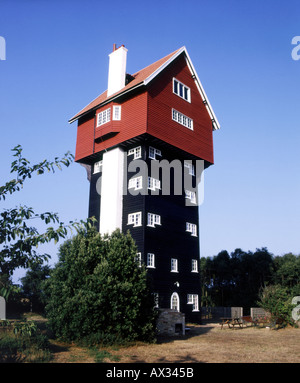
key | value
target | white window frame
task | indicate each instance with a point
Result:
(153, 183)
(185, 89)
(174, 265)
(151, 260)
(98, 166)
(191, 228)
(117, 112)
(135, 219)
(103, 117)
(153, 219)
(193, 299)
(135, 183)
(175, 296)
(195, 266)
(182, 119)
(153, 152)
(190, 166)
(137, 152)
(191, 196)
(139, 259)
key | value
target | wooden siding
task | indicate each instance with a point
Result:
(133, 123)
(85, 137)
(161, 100)
(150, 111)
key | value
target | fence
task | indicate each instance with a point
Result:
(215, 313)
(258, 312)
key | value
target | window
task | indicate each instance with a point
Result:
(153, 219)
(191, 228)
(103, 117)
(182, 119)
(191, 196)
(174, 265)
(153, 153)
(151, 260)
(97, 167)
(181, 90)
(135, 183)
(135, 219)
(137, 152)
(193, 300)
(139, 259)
(175, 302)
(156, 300)
(117, 112)
(190, 166)
(153, 183)
(194, 266)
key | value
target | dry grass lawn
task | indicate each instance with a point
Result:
(204, 343)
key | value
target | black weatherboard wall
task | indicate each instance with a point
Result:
(169, 239)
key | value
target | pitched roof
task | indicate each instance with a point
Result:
(143, 77)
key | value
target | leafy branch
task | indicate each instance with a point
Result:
(22, 167)
(19, 239)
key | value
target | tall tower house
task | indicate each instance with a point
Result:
(145, 142)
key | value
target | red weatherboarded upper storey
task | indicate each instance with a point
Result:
(147, 103)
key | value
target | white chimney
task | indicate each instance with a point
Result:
(117, 70)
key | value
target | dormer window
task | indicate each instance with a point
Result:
(181, 90)
(103, 117)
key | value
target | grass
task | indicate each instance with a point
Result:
(204, 343)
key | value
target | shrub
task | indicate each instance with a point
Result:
(98, 288)
(276, 299)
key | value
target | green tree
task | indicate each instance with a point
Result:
(32, 286)
(287, 270)
(97, 289)
(277, 300)
(18, 237)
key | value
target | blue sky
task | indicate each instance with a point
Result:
(57, 62)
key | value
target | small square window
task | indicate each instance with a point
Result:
(153, 183)
(139, 259)
(117, 112)
(181, 90)
(153, 153)
(135, 219)
(174, 265)
(188, 164)
(153, 219)
(137, 152)
(191, 196)
(103, 117)
(193, 299)
(194, 266)
(150, 260)
(98, 167)
(191, 228)
(135, 183)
